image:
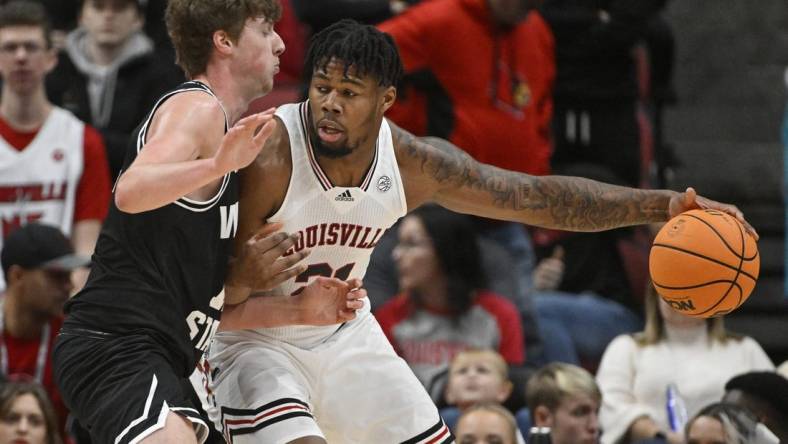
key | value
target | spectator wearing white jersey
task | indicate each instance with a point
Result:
(53, 168)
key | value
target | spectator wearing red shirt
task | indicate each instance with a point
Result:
(53, 167)
(37, 261)
(444, 308)
(478, 73)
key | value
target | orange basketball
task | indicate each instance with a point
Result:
(703, 263)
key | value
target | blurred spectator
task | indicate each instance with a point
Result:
(490, 66)
(766, 395)
(444, 308)
(109, 75)
(566, 399)
(62, 14)
(596, 88)
(479, 73)
(53, 167)
(694, 356)
(721, 423)
(37, 261)
(486, 423)
(588, 287)
(26, 415)
(382, 283)
(475, 377)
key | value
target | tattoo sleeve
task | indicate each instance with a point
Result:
(562, 202)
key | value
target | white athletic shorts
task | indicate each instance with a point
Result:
(350, 388)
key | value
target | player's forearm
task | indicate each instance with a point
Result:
(260, 312)
(579, 204)
(452, 178)
(149, 186)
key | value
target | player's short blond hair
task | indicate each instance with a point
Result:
(551, 384)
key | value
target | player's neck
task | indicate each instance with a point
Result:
(25, 112)
(349, 170)
(19, 323)
(229, 93)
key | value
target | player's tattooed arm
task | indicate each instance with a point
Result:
(438, 171)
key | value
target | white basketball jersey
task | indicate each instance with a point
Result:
(340, 225)
(39, 183)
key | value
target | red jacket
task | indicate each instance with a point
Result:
(498, 82)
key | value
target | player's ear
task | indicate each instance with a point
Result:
(388, 97)
(222, 42)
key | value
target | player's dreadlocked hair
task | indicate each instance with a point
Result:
(364, 47)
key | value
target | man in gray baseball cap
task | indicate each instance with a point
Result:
(36, 246)
(37, 262)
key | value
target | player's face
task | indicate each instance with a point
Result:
(110, 23)
(415, 256)
(474, 380)
(257, 56)
(45, 291)
(346, 109)
(706, 430)
(575, 421)
(483, 427)
(24, 422)
(24, 58)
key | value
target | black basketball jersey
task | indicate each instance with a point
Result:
(161, 272)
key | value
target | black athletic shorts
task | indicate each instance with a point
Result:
(120, 388)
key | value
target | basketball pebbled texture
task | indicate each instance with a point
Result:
(703, 263)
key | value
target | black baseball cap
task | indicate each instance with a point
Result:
(40, 246)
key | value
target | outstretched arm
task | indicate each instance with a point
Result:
(440, 172)
(325, 301)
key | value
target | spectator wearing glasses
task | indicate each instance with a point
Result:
(53, 167)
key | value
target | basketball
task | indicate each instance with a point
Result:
(703, 263)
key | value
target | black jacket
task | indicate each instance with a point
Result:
(140, 82)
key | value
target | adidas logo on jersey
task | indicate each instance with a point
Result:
(344, 197)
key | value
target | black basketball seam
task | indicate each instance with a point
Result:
(744, 273)
(738, 273)
(690, 287)
(724, 242)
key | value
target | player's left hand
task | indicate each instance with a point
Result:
(689, 200)
(328, 301)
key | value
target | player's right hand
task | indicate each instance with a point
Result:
(241, 144)
(261, 264)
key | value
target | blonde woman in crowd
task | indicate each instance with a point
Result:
(695, 357)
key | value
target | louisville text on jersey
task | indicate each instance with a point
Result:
(346, 235)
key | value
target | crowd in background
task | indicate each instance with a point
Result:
(507, 326)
